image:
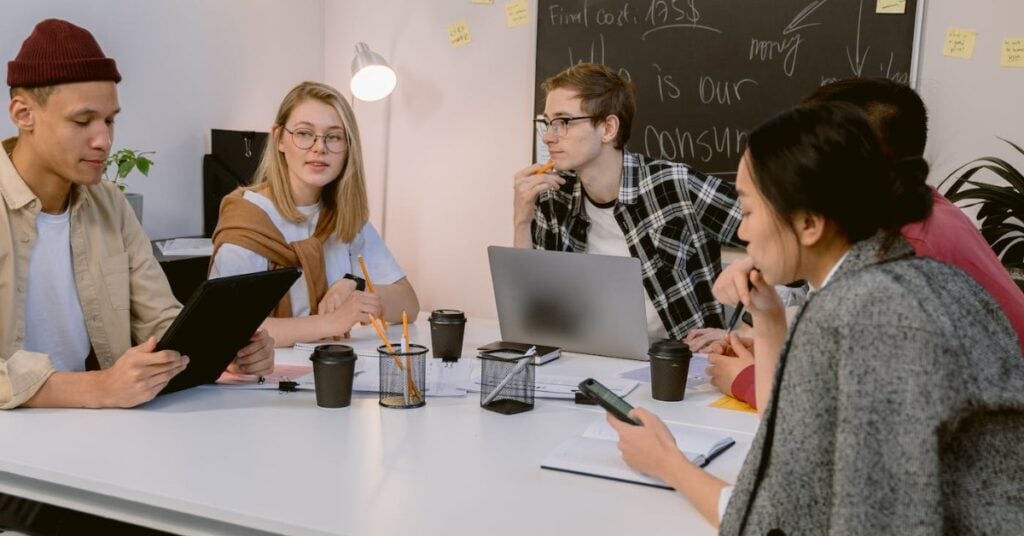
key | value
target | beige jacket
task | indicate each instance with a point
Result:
(124, 293)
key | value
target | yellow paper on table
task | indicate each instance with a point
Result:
(517, 13)
(960, 43)
(728, 402)
(891, 7)
(1013, 52)
(458, 34)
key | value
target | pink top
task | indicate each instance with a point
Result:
(951, 237)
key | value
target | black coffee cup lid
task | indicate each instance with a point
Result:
(447, 316)
(331, 354)
(670, 349)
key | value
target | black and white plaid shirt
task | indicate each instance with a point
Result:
(673, 217)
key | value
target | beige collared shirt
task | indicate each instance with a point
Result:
(124, 293)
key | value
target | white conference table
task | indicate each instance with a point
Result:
(211, 460)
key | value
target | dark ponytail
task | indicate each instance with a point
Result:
(825, 158)
(911, 196)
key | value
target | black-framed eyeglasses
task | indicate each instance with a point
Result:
(304, 139)
(559, 125)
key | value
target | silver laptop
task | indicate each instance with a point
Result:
(590, 304)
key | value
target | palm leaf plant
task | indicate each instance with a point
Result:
(1000, 202)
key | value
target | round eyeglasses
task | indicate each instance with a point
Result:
(558, 126)
(304, 139)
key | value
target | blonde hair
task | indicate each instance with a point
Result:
(345, 208)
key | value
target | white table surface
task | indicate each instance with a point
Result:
(211, 460)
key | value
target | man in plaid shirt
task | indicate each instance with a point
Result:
(615, 202)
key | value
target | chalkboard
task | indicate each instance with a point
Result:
(708, 71)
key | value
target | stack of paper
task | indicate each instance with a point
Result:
(185, 247)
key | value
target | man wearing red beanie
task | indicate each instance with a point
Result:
(79, 285)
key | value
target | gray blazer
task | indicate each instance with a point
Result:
(897, 408)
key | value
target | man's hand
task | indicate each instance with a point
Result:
(139, 375)
(528, 187)
(705, 340)
(256, 358)
(723, 369)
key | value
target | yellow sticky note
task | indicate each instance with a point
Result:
(728, 402)
(517, 13)
(458, 34)
(1013, 52)
(891, 7)
(960, 43)
(485, 2)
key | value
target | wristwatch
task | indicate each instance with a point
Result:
(360, 282)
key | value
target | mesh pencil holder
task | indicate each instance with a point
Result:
(403, 376)
(506, 384)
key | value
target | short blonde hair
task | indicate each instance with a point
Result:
(345, 208)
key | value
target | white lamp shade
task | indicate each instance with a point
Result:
(372, 78)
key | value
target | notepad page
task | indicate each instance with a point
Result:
(693, 441)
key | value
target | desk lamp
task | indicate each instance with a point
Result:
(372, 78)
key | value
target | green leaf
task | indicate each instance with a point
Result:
(124, 168)
(143, 165)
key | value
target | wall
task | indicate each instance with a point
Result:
(188, 66)
(971, 102)
(459, 125)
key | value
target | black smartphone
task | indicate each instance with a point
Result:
(610, 401)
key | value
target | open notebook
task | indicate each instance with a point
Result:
(596, 453)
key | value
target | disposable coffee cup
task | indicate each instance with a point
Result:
(334, 366)
(670, 365)
(447, 327)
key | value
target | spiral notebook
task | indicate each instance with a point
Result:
(596, 453)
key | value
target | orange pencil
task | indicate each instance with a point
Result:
(544, 169)
(369, 285)
(391, 350)
(405, 330)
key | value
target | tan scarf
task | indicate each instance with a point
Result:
(244, 224)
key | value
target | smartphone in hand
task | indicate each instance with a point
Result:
(610, 401)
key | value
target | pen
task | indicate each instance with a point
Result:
(717, 453)
(523, 361)
(737, 313)
(545, 168)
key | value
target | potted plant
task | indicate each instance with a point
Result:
(1000, 202)
(119, 165)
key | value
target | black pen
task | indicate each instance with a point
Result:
(717, 453)
(738, 312)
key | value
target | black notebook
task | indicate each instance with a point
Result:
(512, 350)
(218, 321)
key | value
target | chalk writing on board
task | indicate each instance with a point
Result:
(686, 146)
(560, 16)
(666, 86)
(667, 15)
(857, 62)
(721, 91)
(788, 46)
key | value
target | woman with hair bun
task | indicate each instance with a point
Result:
(895, 403)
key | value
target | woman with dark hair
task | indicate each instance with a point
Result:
(895, 405)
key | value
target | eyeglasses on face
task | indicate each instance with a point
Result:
(559, 125)
(304, 138)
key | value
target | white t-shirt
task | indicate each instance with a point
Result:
(340, 257)
(54, 324)
(606, 238)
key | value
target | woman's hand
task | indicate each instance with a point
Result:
(650, 448)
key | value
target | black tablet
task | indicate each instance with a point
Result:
(219, 319)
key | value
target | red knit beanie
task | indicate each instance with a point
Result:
(59, 52)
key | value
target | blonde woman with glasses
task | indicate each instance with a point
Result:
(308, 208)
